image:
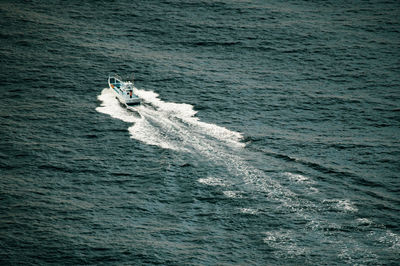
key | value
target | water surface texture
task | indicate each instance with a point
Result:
(269, 133)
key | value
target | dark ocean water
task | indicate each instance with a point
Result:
(269, 133)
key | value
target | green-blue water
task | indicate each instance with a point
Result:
(268, 134)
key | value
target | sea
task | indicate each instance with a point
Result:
(268, 133)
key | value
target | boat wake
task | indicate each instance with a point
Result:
(174, 126)
(167, 125)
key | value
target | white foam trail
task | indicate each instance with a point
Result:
(167, 125)
(233, 194)
(346, 205)
(174, 126)
(297, 177)
(364, 221)
(342, 205)
(212, 181)
(186, 114)
(111, 106)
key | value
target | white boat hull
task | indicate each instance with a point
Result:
(125, 100)
(124, 90)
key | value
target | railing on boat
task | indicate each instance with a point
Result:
(119, 77)
(112, 75)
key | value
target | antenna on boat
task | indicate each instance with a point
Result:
(133, 77)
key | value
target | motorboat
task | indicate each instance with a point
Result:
(124, 89)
